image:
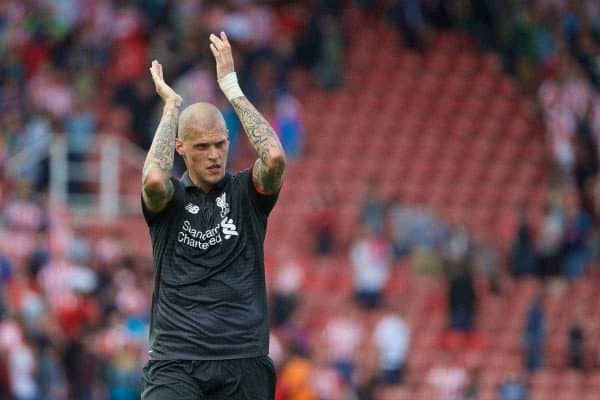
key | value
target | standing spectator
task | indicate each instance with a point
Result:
(288, 280)
(576, 344)
(512, 387)
(586, 161)
(370, 256)
(324, 219)
(392, 338)
(550, 240)
(576, 253)
(123, 374)
(289, 125)
(534, 335)
(471, 391)
(343, 335)
(523, 257)
(373, 208)
(329, 64)
(408, 16)
(462, 298)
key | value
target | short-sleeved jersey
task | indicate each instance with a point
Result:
(209, 300)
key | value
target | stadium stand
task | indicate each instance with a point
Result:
(457, 140)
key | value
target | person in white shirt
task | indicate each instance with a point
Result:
(391, 337)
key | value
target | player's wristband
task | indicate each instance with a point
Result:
(229, 86)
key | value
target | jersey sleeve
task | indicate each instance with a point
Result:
(166, 214)
(263, 202)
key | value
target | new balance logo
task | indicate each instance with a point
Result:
(192, 209)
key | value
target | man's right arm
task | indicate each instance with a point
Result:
(157, 188)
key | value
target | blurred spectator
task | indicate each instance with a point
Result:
(461, 295)
(392, 338)
(329, 382)
(295, 381)
(288, 281)
(586, 161)
(289, 125)
(370, 256)
(534, 335)
(578, 228)
(324, 218)
(50, 375)
(373, 208)
(407, 15)
(472, 388)
(415, 231)
(329, 65)
(512, 387)
(123, 374)
(396, 216)
(342, 336)
(576, 344)
(20, 361)
(550, 241)
(447, 378)
(523, 257)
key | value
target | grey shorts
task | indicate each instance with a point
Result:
(239, 379)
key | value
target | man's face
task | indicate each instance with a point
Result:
(205, 154)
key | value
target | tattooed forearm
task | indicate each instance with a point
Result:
(268, 169)
(161, 153)
(157, 192)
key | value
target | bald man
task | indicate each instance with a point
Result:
(209, 335)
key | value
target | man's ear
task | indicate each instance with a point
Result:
(179, 148)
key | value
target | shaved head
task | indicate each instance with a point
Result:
(201, 118)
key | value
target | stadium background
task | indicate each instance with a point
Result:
(437, 233)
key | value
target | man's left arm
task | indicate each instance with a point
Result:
(267, 172)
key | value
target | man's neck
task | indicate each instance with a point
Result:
(205, 187)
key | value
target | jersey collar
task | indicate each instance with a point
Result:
(187, 182)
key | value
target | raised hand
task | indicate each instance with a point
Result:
(221, 49)
(164, 91)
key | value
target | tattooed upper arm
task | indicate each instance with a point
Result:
(267, 172)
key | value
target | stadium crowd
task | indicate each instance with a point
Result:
(74, 311)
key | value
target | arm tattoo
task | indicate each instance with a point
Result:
(160, 156)
(161, 151)
(268, 169)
